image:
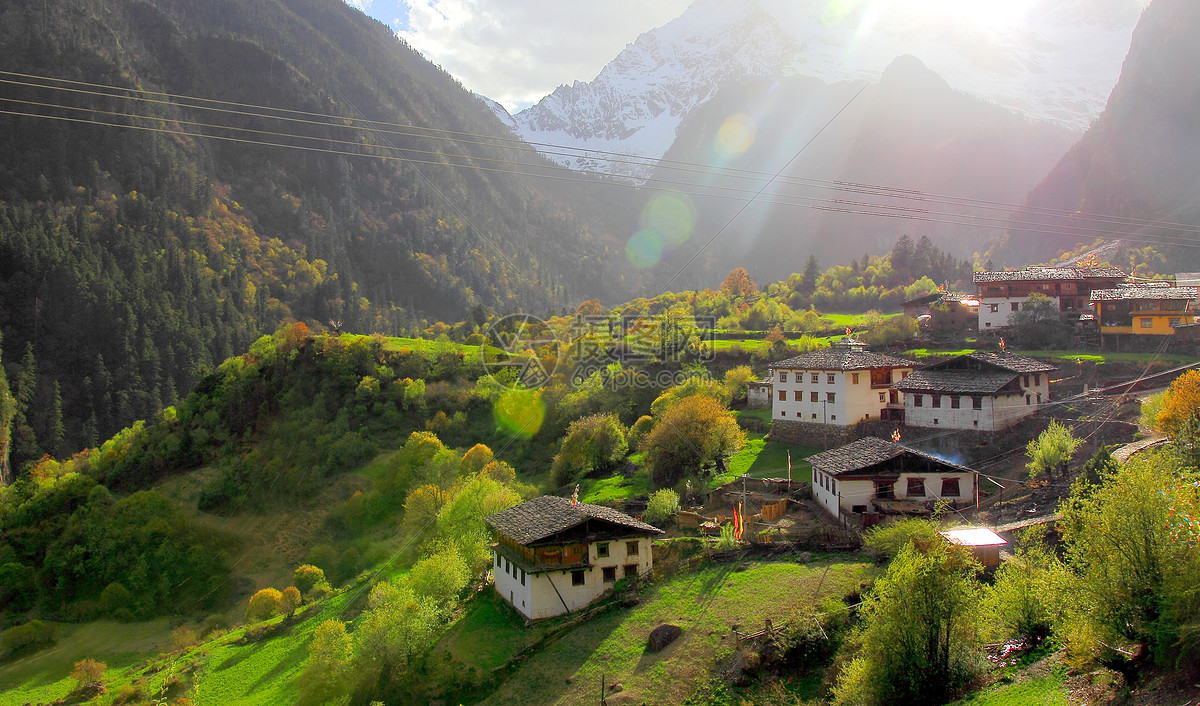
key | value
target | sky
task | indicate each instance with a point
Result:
(518, 51)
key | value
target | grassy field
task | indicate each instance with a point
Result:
(1063, 355)
(1045, 691)
(705, 603)
(763, 458)
(43, 676)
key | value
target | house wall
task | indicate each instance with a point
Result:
(758, 395)
(853, 401)
(1160, 316)
(861, 492)
(999, 411)
(538, 598)
(999, 319)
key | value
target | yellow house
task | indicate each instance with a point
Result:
(1144, 310)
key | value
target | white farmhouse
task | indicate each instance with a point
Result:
(865, 475)
(553, 557)
(841, 385)
(986, 391)
(1002, 294)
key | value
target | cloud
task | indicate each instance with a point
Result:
(517, 51)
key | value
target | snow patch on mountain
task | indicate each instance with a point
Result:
(1059, 63)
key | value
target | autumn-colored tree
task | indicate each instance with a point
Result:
(88, 672)
(476, 458)
(422, 506)
(738, 284)
(1179, 415)
(264, 604)
(307, 576)
(591, 307)
(639, 430)
(289, 601)
(696, 433)
(499, 471)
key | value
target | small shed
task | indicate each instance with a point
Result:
(983, 543)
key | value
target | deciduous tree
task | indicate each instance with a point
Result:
(696, 433)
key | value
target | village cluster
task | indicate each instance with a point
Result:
(556, 555)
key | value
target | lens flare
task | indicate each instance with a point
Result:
(837, 11)
(671, 216)
(736, 135)
(645, 248)
(520, 411)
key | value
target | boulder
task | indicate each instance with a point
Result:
(662, 636)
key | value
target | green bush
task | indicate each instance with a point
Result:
(306, 577)
(662, 508)
(24, 638)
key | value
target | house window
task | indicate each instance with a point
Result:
(798, 396)
(602, 550)
(782, 377)
(935, 421)
(995, 309)
(937, 401)
(814, 415)
(977, 403)
(1026, 399)
(1174, 322)
(1037, 379)
(497, 556)
(831, 396)
(854, 378)
(816, 378)
(1147, 323)
(610, 574)
(916, 487)
(918, 400)
(630, 570)
(954, 402)
(522, 576)
(782, 413)
(1016, 306)
(783, 395)
(833, 417)
(882, 397)
(949, 487)
(812, 397)
(631, 548)
(577, 577)
(507, 566)
(829, 378)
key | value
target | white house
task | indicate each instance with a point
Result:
(858, 477)
(980, 391)
(758, 393)
(1003, 293)
(553, 557)
(841, 385)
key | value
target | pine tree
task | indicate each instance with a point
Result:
(812, 272)
(8, 410)
(24, 441)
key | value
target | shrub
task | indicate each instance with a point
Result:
(306, 576)
(290, 601)
(88, 672)
(440, 577)
(264, 604)
(662, 508)
(639, 430)
(727, 540)
(31, 635)
(183, 637)
(594, 444)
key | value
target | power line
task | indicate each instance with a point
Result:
(429, 133)
(841, 206)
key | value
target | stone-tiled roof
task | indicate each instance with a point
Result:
(867, 452)
(1050, 273)
(955, 381)
(842, 359)
(540, 518)
(1006, 361)
(1145, 292)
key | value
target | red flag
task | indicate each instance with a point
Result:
(847, 332)
(738, 522)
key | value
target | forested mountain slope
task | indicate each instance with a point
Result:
(133, 259)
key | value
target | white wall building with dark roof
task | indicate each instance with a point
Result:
(841, 385)
(865, 475)
(1003, 293)
(553, 557)
(979, 392)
